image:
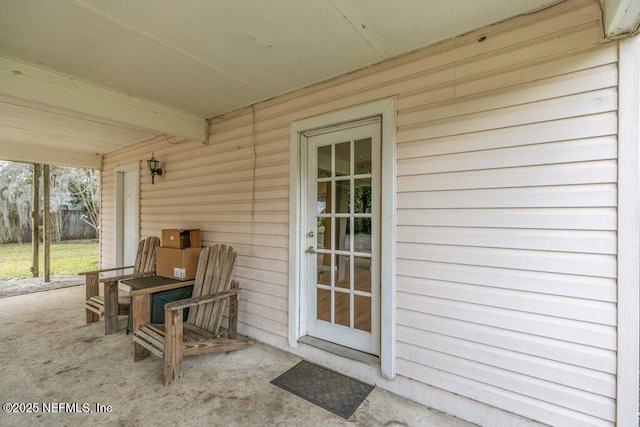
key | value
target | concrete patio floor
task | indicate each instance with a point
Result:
(49, 355)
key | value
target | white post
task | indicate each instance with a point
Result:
(35, 221)
(46, 230)
(628, 231)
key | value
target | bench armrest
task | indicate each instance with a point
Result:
(85, 273)
(203, 299)
(126, 276)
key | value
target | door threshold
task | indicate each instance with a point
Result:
(340, 350)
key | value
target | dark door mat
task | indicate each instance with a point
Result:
(329, 390)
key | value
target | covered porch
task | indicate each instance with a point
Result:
(51, 356)
(505, 218)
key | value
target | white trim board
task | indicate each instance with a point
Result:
(32, 153)
(23, 81)
(628, 232)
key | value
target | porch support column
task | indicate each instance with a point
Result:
(46, 224)
(35, 220)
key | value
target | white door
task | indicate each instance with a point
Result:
(127, 225)
(342, 236)
(130, 217)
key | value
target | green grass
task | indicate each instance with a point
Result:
(67, 259)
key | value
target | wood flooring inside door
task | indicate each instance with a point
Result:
(362, 304)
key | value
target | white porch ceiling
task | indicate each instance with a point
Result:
(81, 78)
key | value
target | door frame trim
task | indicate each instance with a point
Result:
(628, 231)
(119, 207)
(385, 108)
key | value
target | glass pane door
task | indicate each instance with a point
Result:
(343, 238)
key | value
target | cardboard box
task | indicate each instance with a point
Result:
(180, 264)
(180, 238)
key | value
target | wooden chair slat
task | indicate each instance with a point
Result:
(96, 305)
(154, 335)
(193, 333)
(203, 262)
(148, 261)
(219, 282)
(143, 339)
(139, 252)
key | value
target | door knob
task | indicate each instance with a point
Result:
(311, 250)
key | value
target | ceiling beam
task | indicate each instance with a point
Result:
(621, 18)
(23, 81)
(42, 154)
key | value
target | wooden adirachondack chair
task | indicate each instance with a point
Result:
(145, 265)
(198, 334)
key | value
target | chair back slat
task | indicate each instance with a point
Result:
(146, 256)
(195, 315)
(209, 286)
(136, 265)
(215, 267)
(226, 265)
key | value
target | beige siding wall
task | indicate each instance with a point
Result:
(506, 250)
(506, 214)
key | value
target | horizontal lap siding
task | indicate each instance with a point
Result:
(506, 210)
(506, 254)
(211, 187)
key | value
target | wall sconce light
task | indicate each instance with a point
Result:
(154, 168)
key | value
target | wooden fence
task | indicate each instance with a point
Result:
(65, 225)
